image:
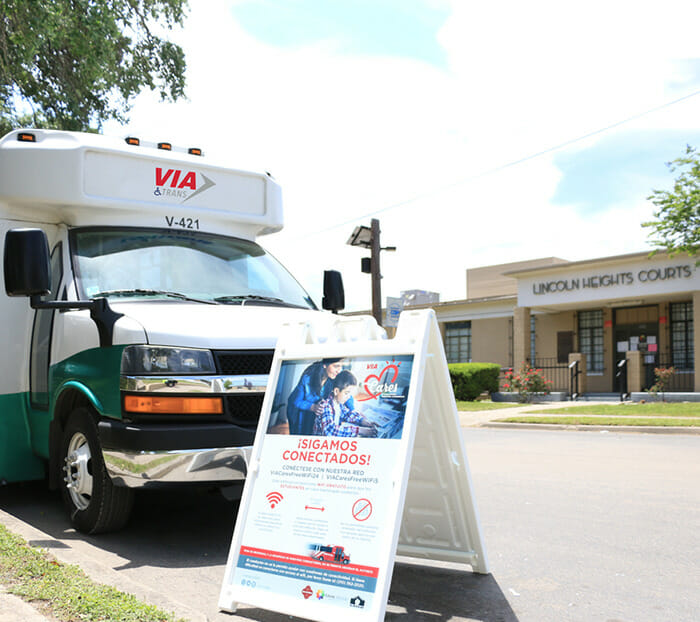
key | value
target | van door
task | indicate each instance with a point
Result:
(41, 337)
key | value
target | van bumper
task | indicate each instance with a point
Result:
(140, 455)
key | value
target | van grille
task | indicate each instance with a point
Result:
(243, 362)
(243, 410)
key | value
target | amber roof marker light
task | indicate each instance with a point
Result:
(132, 140)
(195, 151)
(165, 146)
(26, 137)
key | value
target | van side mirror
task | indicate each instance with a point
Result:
(333, 291)
(27, 265)
(28, 273)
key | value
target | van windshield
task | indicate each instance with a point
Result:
(171, 264)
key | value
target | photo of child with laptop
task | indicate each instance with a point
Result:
(337, 417)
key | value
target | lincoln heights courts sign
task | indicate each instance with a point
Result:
(573, 284)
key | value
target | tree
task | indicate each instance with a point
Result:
(73, 64)
(677, 225)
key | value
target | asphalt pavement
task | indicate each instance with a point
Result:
(78, 552)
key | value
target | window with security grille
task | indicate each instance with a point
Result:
(458, 342)
(682, 350)
(590, 339)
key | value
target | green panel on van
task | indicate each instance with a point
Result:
(17, 460)
(96, 374)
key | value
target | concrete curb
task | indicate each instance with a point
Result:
(79, 553)
(639, 429)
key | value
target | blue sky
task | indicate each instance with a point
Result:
(478, 133)
(621, 163)
(365, 27)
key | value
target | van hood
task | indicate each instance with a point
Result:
(196, 325)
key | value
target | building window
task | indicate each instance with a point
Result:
(458, 342)
(590, 339)
(682, 351)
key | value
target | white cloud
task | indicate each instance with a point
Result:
(347, 136)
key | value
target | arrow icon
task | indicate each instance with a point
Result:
(311, 507)
(208, 183)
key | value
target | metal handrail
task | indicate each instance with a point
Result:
(574, 372)
(622, 375)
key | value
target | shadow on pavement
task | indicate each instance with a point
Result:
(193, 529)
(168, 528)
(422, 594)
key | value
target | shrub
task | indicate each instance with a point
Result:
(526, 383)
(469, 380)
(663, 377)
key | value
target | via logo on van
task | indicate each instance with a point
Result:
(179, 184)
(374, 387)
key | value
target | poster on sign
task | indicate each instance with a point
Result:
(314, 528)
(357, 456)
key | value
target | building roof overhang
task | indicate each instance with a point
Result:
(586, 263)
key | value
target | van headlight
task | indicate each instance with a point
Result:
(154, 360)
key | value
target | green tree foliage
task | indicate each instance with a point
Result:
(677, 225)
(73, 64)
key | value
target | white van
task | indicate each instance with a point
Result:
(139, 317)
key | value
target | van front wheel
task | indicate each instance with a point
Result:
(95, 505)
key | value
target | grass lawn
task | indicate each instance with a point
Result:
(64, 591)
(483, 405)
(661, 414)
(659, 409)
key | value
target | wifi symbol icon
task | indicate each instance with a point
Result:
(274, 498)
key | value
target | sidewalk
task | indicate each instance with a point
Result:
(14, 609)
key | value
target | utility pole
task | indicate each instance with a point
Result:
(368, 237)
(376, 273)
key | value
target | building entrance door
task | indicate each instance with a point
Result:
(636, 328)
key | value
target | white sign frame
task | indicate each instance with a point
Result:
(430, 510)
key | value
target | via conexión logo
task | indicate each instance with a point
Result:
(175, 183)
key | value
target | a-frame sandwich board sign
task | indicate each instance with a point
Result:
(332, 497)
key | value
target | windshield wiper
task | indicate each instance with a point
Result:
(150, 292)
(254, 298)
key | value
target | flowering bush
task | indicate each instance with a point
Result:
(526, 383)
(663, 376)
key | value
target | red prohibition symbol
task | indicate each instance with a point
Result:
(362, 509)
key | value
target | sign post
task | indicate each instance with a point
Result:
(358, 456)
(394, 306)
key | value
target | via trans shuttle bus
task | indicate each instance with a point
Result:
(138, 318)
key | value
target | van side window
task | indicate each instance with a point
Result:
(41, 338)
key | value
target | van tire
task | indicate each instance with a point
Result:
(95, 505)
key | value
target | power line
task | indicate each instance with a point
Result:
(504, 166)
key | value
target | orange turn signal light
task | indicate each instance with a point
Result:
(161, 405)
